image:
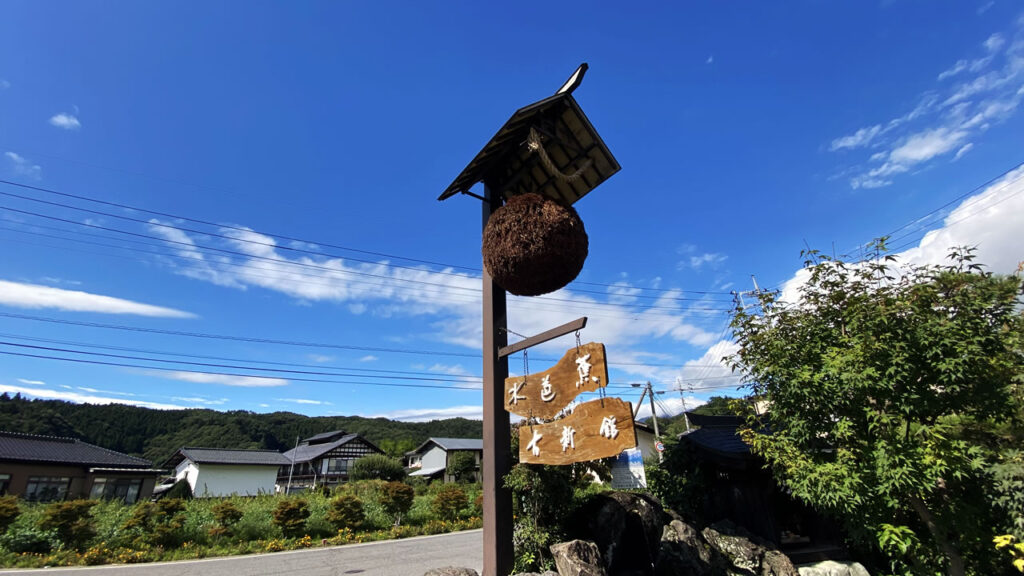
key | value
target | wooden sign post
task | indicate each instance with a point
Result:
(600, 428)
(543, 395)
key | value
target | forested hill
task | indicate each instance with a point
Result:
(157, 434)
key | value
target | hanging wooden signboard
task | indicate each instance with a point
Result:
(599, 428)
(543, 395)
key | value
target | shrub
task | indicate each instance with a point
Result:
(181, 490)
(71, 520)
(346, 511)
(397, 498)
(290, 516)
(449, 502)
(9, 511)
(377, 466)
(30, 540)
(163, 522)
(226, 515)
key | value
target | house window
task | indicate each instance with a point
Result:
(5, 484)
(338, 465)
(123, 489)
(46, 488)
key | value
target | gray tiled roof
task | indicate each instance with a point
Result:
(229, 456)
(322, 437)
(57, 450)
(306, 452)
(450, 444)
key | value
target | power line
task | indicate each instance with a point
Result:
(326, 269)
(288, 238)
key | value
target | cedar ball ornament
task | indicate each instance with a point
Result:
(534, 245)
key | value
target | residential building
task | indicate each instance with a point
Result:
(214, 472)
(323, 460)
(47, 468)
(431, 458)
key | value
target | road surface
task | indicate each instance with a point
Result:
(408, 557)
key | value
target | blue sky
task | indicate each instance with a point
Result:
(270, 174)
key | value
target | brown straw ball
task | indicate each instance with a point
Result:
(533, 245)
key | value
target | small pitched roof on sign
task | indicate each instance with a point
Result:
(511, 167)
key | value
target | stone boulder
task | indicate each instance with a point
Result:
(578, 558)
(747, 553)
(451, 571)
(626, 527)
(833, 568)
(683, 552)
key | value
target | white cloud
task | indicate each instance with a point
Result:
(23, 167)
(65, 121)
(83, 398)
(304, 401)
(223, 379)
(669, 404)
(454, 299)
(990, 221)
(369, 358)
(947, 120)
(963, 150)
(96, 391)
(709, 258)
(201, 400)
(4, 84)
(710, 60)
(320, 358)
(456, 370)
(426, 414)
(858, 139)
(32, 382)
(36, 296)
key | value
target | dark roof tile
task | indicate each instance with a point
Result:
(58, 450)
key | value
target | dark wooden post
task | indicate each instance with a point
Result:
(498, 552)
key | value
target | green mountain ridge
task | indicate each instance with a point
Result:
(157, 434)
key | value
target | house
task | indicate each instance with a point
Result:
(323, 460)
(646, 441)
(430, 460)
(742, 489)
(212, 472)
(46, 468)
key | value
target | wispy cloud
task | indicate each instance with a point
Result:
(201, 401)
(35, 296)
(304, 401)
(320, 358)
(32, 382)
(369, 358)
(4, 84)
(23, 167)
(972, 95)
(710, 60)
(426, 414)
(67, 396)
(65, 121)
(222, 379)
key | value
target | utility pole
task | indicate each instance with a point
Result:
(288, 488)
(648, 391)
(682, 399)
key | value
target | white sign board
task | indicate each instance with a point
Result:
(628, 470)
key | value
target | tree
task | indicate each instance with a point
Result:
(717, 406)
(377, 466)
(226, 514)
(894, 390)
(396, 498)
(461, 465)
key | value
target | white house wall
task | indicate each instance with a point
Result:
(211, 480)
(436, 457)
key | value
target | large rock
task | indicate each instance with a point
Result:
(682, 552)
(626, 527)
(833, 568)
(578, 558)
(747, 553)
(451, 571)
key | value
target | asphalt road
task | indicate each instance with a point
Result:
(408, 557)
